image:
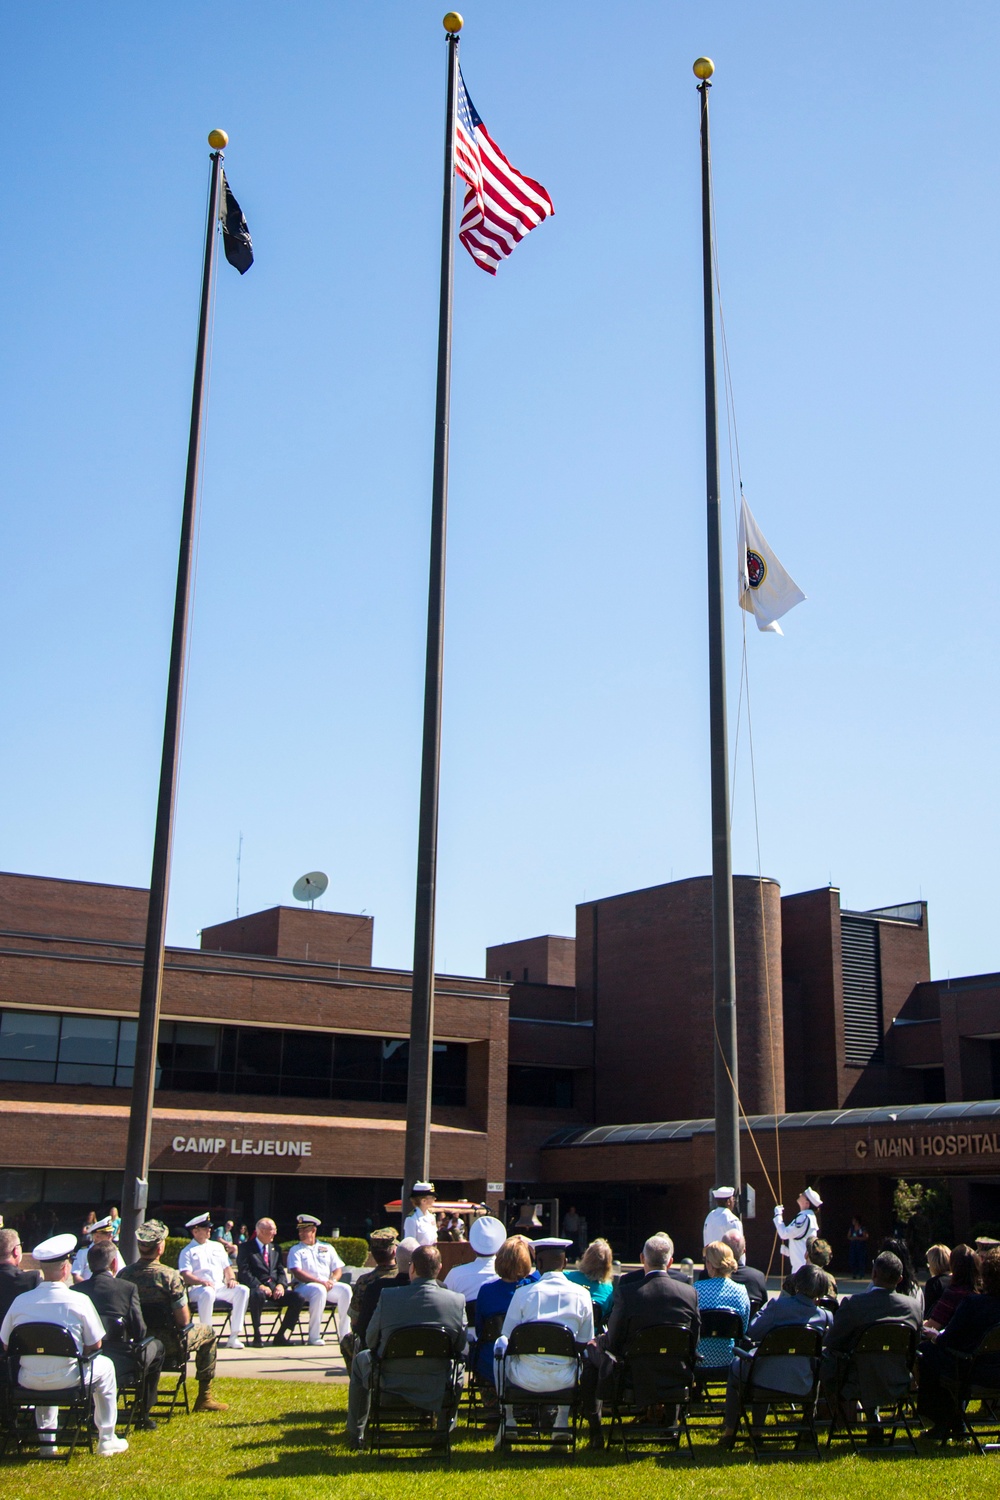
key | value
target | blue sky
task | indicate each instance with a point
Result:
(856, 181)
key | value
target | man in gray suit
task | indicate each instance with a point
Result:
(425, 1303)
(872, 1380)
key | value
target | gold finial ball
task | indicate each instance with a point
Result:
(218, 139)
(453, 22)
(703, 67)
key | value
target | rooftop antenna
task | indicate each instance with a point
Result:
(310, 887)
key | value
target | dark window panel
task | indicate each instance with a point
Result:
(196, 1047)
(15, 1070)
(548, 1088)
(358, 1059)
(356, 1089)
(88, 1039)
(33, 1037)
(306, 1054)
(85, 1073)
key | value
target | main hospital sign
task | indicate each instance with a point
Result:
(883, 1147)
(213, 1145)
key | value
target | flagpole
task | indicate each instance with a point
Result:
(727, 1121)
(417, 1150)
(144, 1076)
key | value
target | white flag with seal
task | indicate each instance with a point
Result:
(766, 591)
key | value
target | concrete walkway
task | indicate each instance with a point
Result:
(321, 1366)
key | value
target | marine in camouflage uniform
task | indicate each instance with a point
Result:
(383, 1245)
(161, 1294)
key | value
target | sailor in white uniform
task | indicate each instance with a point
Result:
(96, 1233)
(803, 1228)
(721, 1219)
(54, 1301)
(485, 1236)
(316, 1269)
(421, 1225)
(204, 1265)
(552, 1299)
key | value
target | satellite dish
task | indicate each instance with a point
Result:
(310, 887)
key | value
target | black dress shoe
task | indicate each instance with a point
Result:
(146, 1424)
(256, 1342)
(280, 1338)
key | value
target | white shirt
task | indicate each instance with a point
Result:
(81, 1268)
(421, 1226)
(803, 1228)
(719, 1222)
(468, 1278)
(553, 1299)
(316, 1260)
(53, 1302)
(209, 1259)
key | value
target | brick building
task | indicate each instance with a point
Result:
(580, 1069)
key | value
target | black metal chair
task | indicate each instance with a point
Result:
(175, 1366)
(711, 1380)
(794, 1415)
(977, 1378)
(481, 1403)
(653, 1386)
(73, 1401)
(130, 1370)
(395, 1421)
(529, 1421)
(877, 1372)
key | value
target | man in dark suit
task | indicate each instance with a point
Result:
(871, 1380)
(755, 1281)
(129, 1343)
(424, 1303)
(259, 1266)
(647, 1302)
(13, 1281)
(791, 1374)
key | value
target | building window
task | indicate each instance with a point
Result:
(862, 976)
(548, 1088)
(36, 1047)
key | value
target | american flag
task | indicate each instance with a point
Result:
(501, 204)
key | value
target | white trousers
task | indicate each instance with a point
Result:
(205, 1298)
(105, 1389)
(317, 1296)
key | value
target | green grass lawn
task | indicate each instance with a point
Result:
(285, 1439)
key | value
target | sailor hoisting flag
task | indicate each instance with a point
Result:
(766, 590)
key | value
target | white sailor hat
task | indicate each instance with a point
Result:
(104, 1223)
(553, 1242)
(308, 1219)
(198, 1219)
(486, 1235)
(722, 1193)
(59, 1247)
(420, 1188)
(813, 1196)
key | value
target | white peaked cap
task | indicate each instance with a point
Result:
(486, 1235)
(59, 1247)
(419, 1189)
(552, 1242)
(309, 1219)
(198, 1219)
(101, 1224)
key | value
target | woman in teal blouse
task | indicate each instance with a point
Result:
(595, 1274)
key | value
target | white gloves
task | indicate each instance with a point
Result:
(779, 1210)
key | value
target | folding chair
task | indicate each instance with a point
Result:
(175, 1364)
(657, 1370)
(976, 1378)
(72, 1401)
(131, 1385)
(481, 1411)
(531, 1409)
(710, 1380)
(880, 1360)
(794, 1415)
(394, 1421)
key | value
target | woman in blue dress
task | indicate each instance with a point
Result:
(718, 1290)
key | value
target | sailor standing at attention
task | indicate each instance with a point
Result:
(316, 1268)
(204, 1265)
(721, 1219)
(803, 1228)
(421, 1225)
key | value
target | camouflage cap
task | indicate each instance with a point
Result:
(383, 1236)
(151, 1232)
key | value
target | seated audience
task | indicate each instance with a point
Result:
(594, 1273)
(938, 1264)
(486, 1236)
(424, 1303)
(261, 1269)
(755, 1281)
(13, 1278)
(971, 1320)
(370, 1296)
(963, 1280)
(115, 1297)
(718, 1290)
(909, 1286)
(515, 1268)
(789, 1374)
(554, 1299)
(877, 1381)
(382, 1262)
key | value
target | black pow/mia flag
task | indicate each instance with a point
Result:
(236, 239)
